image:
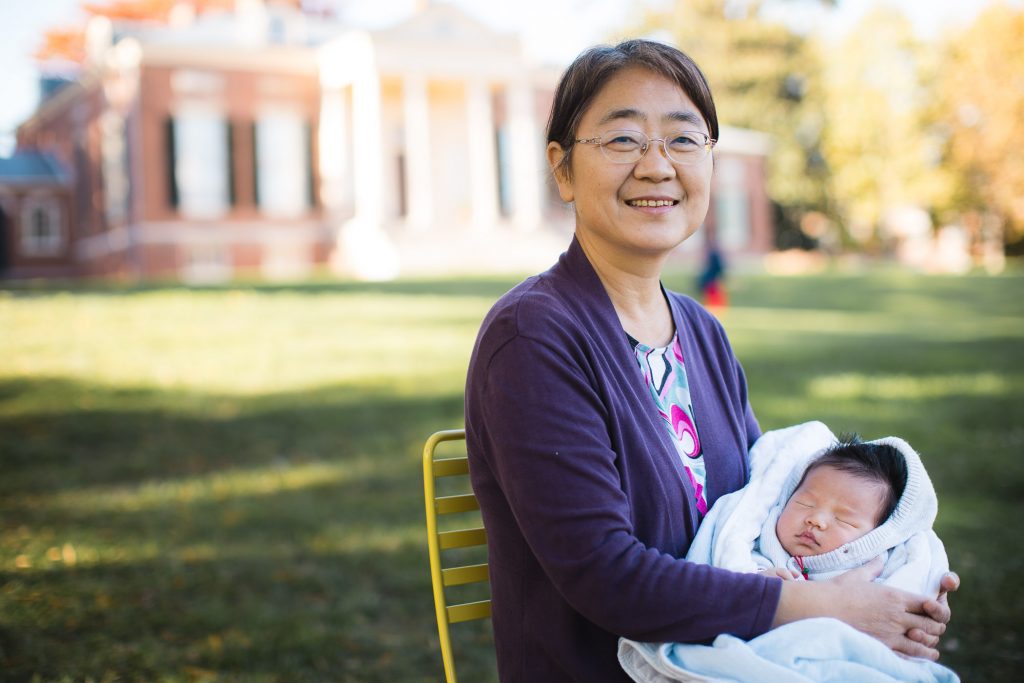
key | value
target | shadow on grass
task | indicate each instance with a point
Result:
(61, 434)
(281, 540)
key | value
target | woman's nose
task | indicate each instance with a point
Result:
(655, 164)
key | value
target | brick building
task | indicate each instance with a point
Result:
(267, 142)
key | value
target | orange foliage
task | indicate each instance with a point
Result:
(150, 10)
(68, 43)
(62, 44)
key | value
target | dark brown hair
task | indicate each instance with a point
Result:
(590, 71)
(876, 462)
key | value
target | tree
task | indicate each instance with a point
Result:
(876, 141)
(982, 106)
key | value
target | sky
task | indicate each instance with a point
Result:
(552, 31)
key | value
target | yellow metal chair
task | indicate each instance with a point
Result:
(441, 577)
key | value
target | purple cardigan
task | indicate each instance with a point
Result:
(587, 510)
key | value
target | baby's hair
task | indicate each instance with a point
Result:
(870, 461)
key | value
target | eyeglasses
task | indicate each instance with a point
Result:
(630, 146)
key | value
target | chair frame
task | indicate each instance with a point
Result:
(437, 541)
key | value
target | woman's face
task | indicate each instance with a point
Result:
(643, 209)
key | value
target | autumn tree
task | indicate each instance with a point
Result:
(982, 98)
(877, 141)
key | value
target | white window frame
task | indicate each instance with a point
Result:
(53, 242)
(201, 161)
(282, 163)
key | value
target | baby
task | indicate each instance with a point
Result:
(817, 506)
(846, 492)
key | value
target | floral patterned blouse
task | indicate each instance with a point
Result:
(665, 376)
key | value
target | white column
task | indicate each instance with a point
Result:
(368, 148)
(483, 169)
(417, 153)
(363, 249)
(333, 151)
(524, 152)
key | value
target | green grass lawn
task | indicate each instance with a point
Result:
(224, 484)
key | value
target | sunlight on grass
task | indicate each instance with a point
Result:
(342, 538)
(240, 342)
(910, 387)
(739, 320)
(218, 487)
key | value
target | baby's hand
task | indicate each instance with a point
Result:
(784, 574)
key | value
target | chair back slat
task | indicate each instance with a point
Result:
(469, 611)
(465, 538)
(447, 505)
(458, 576)
(451, 467)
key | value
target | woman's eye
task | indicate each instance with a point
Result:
(624, 140)
(684, 141)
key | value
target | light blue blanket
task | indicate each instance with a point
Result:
(813, 650)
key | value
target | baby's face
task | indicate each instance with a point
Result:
(830, 508)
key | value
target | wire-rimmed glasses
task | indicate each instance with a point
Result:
(629, 146)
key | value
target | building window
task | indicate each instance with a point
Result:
(732, 204)
(199, 144)
(41, 230)
(282, 164)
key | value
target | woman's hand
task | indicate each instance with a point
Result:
(885, 613)
(902, 621)
(937, 609)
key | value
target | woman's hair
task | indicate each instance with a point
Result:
(875, 462)
(592, 69)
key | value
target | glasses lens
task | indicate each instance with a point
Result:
(686, 147)
(624, 146)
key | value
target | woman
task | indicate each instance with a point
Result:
(604, 414)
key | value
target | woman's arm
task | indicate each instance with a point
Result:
(546, 461)
(907, 623)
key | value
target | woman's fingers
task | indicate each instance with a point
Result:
(923, 637)
(938, 609)
(950, 583)
(912, 648)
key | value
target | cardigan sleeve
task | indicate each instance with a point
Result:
(545, 431)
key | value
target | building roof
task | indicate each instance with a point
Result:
(30, 167)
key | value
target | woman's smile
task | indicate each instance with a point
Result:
(656, 205)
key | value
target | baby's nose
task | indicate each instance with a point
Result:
(818, 521)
